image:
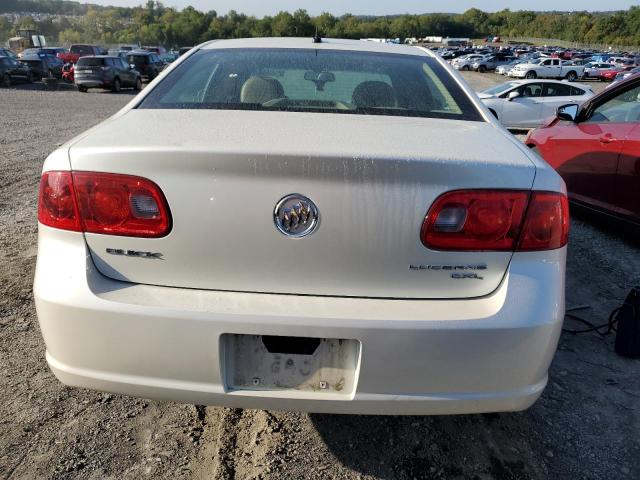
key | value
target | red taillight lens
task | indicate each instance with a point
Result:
(56, 202)
(107, 203)
(547, 223)
(496, 221)
(475, 220)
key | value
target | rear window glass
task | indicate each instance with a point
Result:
(81, 49)
(90, 62)
(138, 59)
(308, 80)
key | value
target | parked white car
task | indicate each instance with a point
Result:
(527, 103)
(466, 62)
(504, 69)
(548, 68)
(285, 224)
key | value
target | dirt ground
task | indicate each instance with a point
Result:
(585, 426)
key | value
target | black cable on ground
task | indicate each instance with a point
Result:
(610, 325)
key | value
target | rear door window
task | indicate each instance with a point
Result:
(622, 108)
(556, 90)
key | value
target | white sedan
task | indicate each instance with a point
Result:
(329, 226)
(527, 103)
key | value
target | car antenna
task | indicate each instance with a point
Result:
(317, 38)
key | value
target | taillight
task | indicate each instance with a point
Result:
(496, 220)
(107, 203)
(57, 203)
(547, 224)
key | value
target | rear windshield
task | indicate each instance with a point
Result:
(90, 62)
(498, 89)
(81, 49)
(307, 80)
(138, 59)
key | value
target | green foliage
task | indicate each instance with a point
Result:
(153, 23)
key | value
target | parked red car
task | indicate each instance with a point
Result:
(68, 73)
(596, 149)
(609, 75)
(77, 51)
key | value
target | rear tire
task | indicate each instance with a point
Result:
(465, 68)
(482, 69)
(82, 89)
(571, 76)
(138, 86)
(116, 85)
(531, 75)
(6, 80)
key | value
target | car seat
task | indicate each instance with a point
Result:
(261, 90)
(374, 94)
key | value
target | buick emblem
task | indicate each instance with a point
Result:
(296, 216)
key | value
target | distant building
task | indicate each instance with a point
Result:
(456, 42)
(381, 40)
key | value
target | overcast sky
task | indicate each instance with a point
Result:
(377, 7)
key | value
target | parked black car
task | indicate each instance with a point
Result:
(105, 71)
(12, 71)
(148, 64)
(43, 65)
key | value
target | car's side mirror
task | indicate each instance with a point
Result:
(568, 112)
(513, 95)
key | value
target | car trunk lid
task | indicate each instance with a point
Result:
(372, 179)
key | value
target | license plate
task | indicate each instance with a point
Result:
(322, 365)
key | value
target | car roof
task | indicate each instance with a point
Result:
(542, 80)
(307, 43)
(547, 80)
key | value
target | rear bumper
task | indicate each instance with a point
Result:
(417, 357)
(92, 82)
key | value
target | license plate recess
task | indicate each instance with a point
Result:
(256, 362)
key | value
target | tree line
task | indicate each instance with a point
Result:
(154, 23)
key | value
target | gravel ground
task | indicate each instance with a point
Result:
(586, 425)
